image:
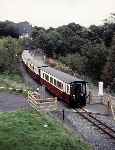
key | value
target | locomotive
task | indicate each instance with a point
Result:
(65, 87)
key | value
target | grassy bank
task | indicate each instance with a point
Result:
(13, 81)
(31, 131)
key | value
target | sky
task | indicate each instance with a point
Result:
(54, 13)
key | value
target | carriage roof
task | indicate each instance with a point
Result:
(56, 73)
(61, 75)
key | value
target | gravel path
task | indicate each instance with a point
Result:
(11, 102)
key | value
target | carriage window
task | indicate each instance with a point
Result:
(51, 79)
(43, 75)
(59, 85)
(55, 82)
(39, 72)
(32, 66)
(67, 88)
(46, 77)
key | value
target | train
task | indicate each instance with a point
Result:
(65, 87)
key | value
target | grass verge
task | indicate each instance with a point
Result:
(33, 131)
(12, 82)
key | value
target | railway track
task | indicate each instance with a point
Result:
(81, 127)
(96, 122)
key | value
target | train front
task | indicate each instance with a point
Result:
(78, 93)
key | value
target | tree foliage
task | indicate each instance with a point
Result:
(109, 68)
(90, 51)
(9, 50)
(8, 28)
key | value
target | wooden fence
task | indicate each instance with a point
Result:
(106, 99)
(47, 104)
(93, 99)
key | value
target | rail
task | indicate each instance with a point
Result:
(101, 125)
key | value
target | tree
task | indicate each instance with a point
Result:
(96, 55)
(112, 61)
(108, 75)
(75, 62)
(39, 38)
(9, 49)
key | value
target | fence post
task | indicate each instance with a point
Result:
(108, 104)
(90, 97)
(63, 114)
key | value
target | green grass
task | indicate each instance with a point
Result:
(15, 77)
(26, 131)
(11, 81)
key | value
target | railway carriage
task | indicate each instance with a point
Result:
(66, 87)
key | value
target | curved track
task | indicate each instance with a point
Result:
(96, 122)
(80, 126)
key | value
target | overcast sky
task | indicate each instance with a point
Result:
(56, 12)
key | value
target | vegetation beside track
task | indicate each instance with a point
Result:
(30, 131)
(12, 82)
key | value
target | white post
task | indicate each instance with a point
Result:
(100, 92)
